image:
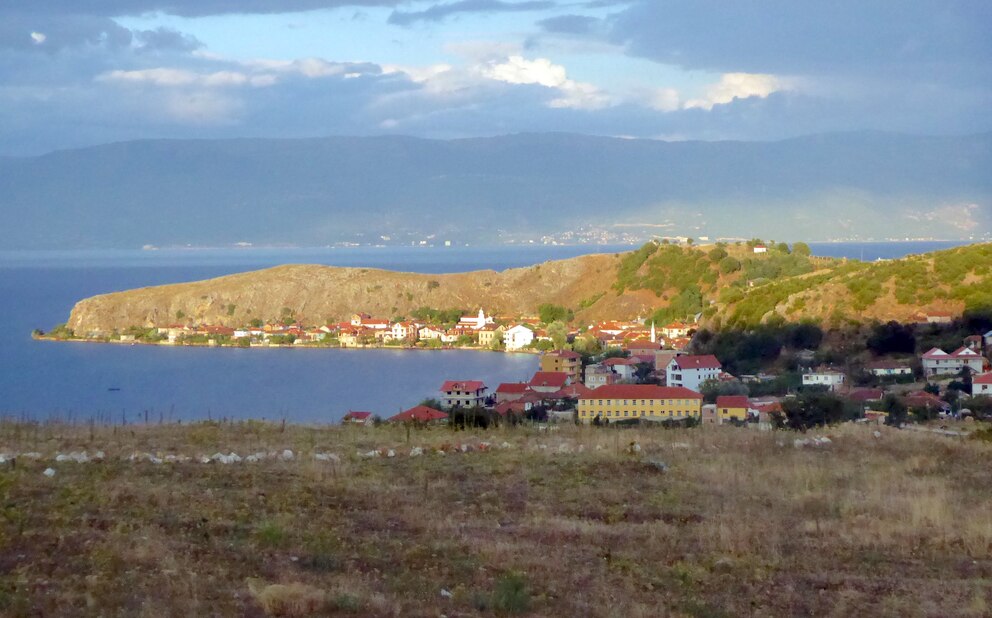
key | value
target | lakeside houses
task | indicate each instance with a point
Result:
(518, 337)
(937, 362)
(618, 402)
(690, 371)
(734, 408)
(625, 368)
(982, 385)
(597, 375)
(829, 377)
(463, 394)
(510, 391)
(563, 361)
(549, 381)
(354, 417)
(420, 414)
(489, 334)
(889, 368)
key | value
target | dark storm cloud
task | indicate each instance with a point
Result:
(439, 12)
(783, 36)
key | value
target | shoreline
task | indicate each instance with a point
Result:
(280, 346)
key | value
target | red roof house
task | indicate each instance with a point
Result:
(548, 381)
(419, 414)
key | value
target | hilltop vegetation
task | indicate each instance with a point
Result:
(728, 285)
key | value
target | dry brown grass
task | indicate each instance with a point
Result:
(743, 523)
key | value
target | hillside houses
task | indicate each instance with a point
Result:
(937, 362)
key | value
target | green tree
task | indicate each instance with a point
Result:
(716, 254)
(801, 248)
(553, 313)
(729, 265)
(559, 334)
(813, 409)
(895, 408)
(711, 389)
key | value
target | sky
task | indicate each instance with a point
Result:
(77, 73)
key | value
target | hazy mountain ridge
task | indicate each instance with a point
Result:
(320, 191)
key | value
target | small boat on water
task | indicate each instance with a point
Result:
(114, 388)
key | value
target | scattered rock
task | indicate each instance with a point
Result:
(723, 565)
(390, 453)
(877, 433)
(683, 445)
(660, 466)
(416, 451)
(287, 455)
(446, 594)
(635, 447)
(49, 472)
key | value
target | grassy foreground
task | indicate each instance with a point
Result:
(563, 523)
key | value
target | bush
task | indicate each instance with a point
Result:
(511, 594)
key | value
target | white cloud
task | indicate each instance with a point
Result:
(38, 37)
(541, 71)
(664, 99)
(167, 77)
(738, 86)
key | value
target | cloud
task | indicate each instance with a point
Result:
(170, 78)
(570, 24)
(541, 71)
(191, 8)
(166, 39)
(439, 12)
(787, 37)
(38, 38)
(738, 86)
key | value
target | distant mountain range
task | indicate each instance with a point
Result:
(327, 190)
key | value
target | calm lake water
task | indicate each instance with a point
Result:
(47, 380)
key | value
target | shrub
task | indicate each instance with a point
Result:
(511, 595)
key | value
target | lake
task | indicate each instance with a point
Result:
(43, 380)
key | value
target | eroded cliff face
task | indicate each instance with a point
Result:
(316, 294)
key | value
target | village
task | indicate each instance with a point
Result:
(625, 372)
(649, 375)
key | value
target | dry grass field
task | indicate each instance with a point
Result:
(571, 522)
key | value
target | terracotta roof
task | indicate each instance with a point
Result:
(866, 394)
(641, 391)
(565, 354)
(613, 362)
(572, 391)
(469, 385)
(732, 401)
(556, 379)
(357, 416)
(419, 413)
(707, 361)
(985, 378)
(640, 344)
(512, 388)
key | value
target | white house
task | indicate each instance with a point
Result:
(938, 362)
(824, 376)
(467, 394)
(691, 371)
(625, 368)
(886, 368)
(982, 385)
(429, 332)
(518, 337)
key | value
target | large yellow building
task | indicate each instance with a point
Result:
(617, 402)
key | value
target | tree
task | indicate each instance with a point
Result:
(713, 388)
(895, 408)
(813, 409)
(801, 248)
(559, 334)
(553, 313)
(729, 265)
(891, 338)
(716, 254)
(782, 248)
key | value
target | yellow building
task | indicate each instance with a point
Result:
(617, 402)
(563, 361)
(732, 407)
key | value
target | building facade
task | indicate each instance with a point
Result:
(617, 402)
